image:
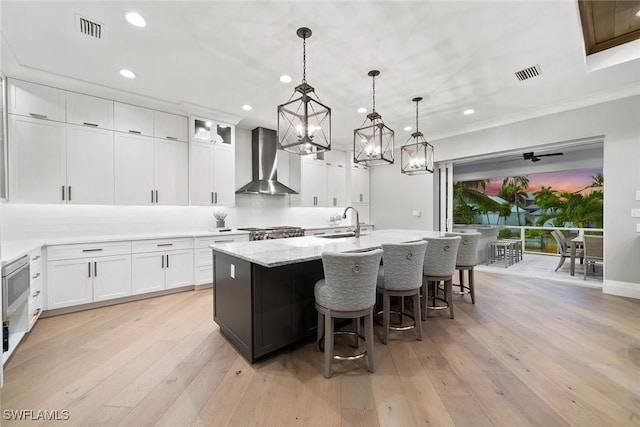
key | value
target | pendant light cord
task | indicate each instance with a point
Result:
(417, 129)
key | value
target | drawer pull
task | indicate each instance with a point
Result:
(35, 276)
(165, 244)
(136, 132)
(35, 258)
(172, 138)
(36, 293)
(95, 125)
(222, 241)
(38, 116)
(37, 313)
(92, 250)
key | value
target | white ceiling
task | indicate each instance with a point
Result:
(221, 55)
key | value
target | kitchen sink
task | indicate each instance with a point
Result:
(337, 235)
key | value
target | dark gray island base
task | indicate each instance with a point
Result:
(261, 310)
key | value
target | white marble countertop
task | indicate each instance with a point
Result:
(14, 249)
(277, 252)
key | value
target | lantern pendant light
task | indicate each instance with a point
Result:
(416, 155)
(373, 144)
(304, 123)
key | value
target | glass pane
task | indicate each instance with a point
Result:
(225, 133)
(3, 189)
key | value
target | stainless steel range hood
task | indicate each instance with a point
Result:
(264, 143)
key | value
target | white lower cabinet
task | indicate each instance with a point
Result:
(204, 255)
(161, 264)
(85, 273)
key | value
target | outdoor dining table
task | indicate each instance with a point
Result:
(576, 242)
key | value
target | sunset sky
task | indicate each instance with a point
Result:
(559, 181)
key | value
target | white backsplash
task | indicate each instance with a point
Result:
(33, 221)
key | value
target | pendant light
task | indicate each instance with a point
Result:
(373, 144)
(304, 123)
(417, 154)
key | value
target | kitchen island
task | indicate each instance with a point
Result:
(263, 290)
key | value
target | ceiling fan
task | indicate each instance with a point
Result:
(536, 158)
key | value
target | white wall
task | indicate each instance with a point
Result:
(395, 196)
(618, 121)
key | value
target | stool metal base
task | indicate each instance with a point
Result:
(395, 327)
(342, 356)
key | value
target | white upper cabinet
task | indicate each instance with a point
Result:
(313, 182)
(212, 175)
(134, 172)
(336, 185)
(171, 170)
(224, 179)
(89, 111)
(170, 126)
(90, 163)
(37, 160)
(132, 119)
(359, 184)
(335, 158)
(38, 101)
(207, 130)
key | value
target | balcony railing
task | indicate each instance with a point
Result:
(539, 239)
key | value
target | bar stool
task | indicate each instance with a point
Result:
(467, 259)
(439, 266)
(401, 276)
(348, 291)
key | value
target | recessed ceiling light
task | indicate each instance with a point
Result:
(247, 107)
(285, 78)
(134, 18)
(362, 110)
(638, 13)
(128, 74)
(408, 128)
(468, 112)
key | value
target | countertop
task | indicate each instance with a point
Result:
(14, 249)
(277, 252)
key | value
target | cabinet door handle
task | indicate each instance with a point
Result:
(151, 196)
(172, 138)
(164, 244)
(37, 312)
(361, 198)
(167, 261)
(92, 250)
(212, 202)
(162, 261)
(335, 201)
(35, 276)
(69, 192)
(63, 194)
(95, 269)
(156, 196)
(95, 125)
(35, 258)
(89, 269)
(38, 116)
(215, 197)
(36, 293)
(137, 132)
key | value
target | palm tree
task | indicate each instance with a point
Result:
(504, 211)
(465, 192)
(546, 199)
(576, 209)
(513, 189)
(598, 182)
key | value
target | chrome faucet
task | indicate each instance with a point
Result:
(344, 216)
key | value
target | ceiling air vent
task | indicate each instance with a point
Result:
(88, 27)
(528, 73)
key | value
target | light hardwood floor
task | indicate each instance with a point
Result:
(529, 352)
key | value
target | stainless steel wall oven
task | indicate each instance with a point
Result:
(15, 298)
